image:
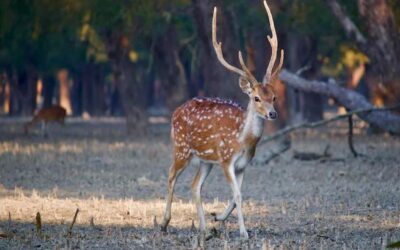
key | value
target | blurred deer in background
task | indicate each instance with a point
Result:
(215, 131)
(45, 115)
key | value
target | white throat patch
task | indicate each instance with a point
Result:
(253, 123)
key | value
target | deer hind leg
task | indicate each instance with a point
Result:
(174, 171)
(62, 122)
(44, 129)
(223, 216)
(229, 172)
(197, 185)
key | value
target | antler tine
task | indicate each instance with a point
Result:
(278, 69)
(273, 41)
(218, 50)
(244, 67)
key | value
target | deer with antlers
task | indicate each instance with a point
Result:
(215, 131)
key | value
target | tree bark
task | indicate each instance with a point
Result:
(5, 92)
(98, 90)
(218, 81)
(349, 27)
(48, 90)
(170, 67)
(129, 82)
(25, 89)
(64, 90)
(348, 98)
(383, 38)
(381, 45)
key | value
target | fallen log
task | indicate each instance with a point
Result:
(350, 99)
(316, 124)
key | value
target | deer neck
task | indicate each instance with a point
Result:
(253, 125)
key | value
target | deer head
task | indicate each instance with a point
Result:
(262, 95)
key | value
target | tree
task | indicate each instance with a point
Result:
(381, 43)
(217, 80)
(33, 38)
(348, 98)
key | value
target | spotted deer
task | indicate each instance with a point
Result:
(45, 115)
(215, 131)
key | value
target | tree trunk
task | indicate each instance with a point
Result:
(5, 93)
(383, 38)
(218, 81)
(76, 93)
(312, 109)
(14, 100)
(172, 72)
(25, 90)
(64, 90)
(48, 90)
(87, 81)
(350, 99)
(130, 83)
(98, 94)
(381, 45)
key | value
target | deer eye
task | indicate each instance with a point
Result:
(257, 99)
(274, 99)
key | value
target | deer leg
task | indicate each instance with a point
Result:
(197, 185)
(232, 204)
(44, 129)
(174, 171)
(62, 122)
(237, 196)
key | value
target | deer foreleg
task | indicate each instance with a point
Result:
(237, 196)
(223, 216)
(197, 185)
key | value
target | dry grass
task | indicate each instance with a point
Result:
(102, 211)
(119, 183)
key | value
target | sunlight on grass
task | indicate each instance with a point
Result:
(106, 212)
(16, 148)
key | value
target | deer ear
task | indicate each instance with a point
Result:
(245, 85)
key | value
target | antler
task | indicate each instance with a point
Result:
(273, 41)
(245, 72)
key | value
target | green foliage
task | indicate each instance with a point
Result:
(38, 33)
(51, 34)
(394, 245)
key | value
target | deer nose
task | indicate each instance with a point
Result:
(273, 115)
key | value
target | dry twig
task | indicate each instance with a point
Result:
(309, 156)
(155, 223)
(350, 137)
(73, 222)
(38, 224)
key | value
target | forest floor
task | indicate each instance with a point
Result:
(118, 182)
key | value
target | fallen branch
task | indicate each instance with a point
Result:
(73, 222)
(325, 237)
(290, 129)
(350, 99)
(350, 137)
(266, 158)
(348, 25)
(310, 156)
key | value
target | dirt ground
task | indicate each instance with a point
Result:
(118, 182)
